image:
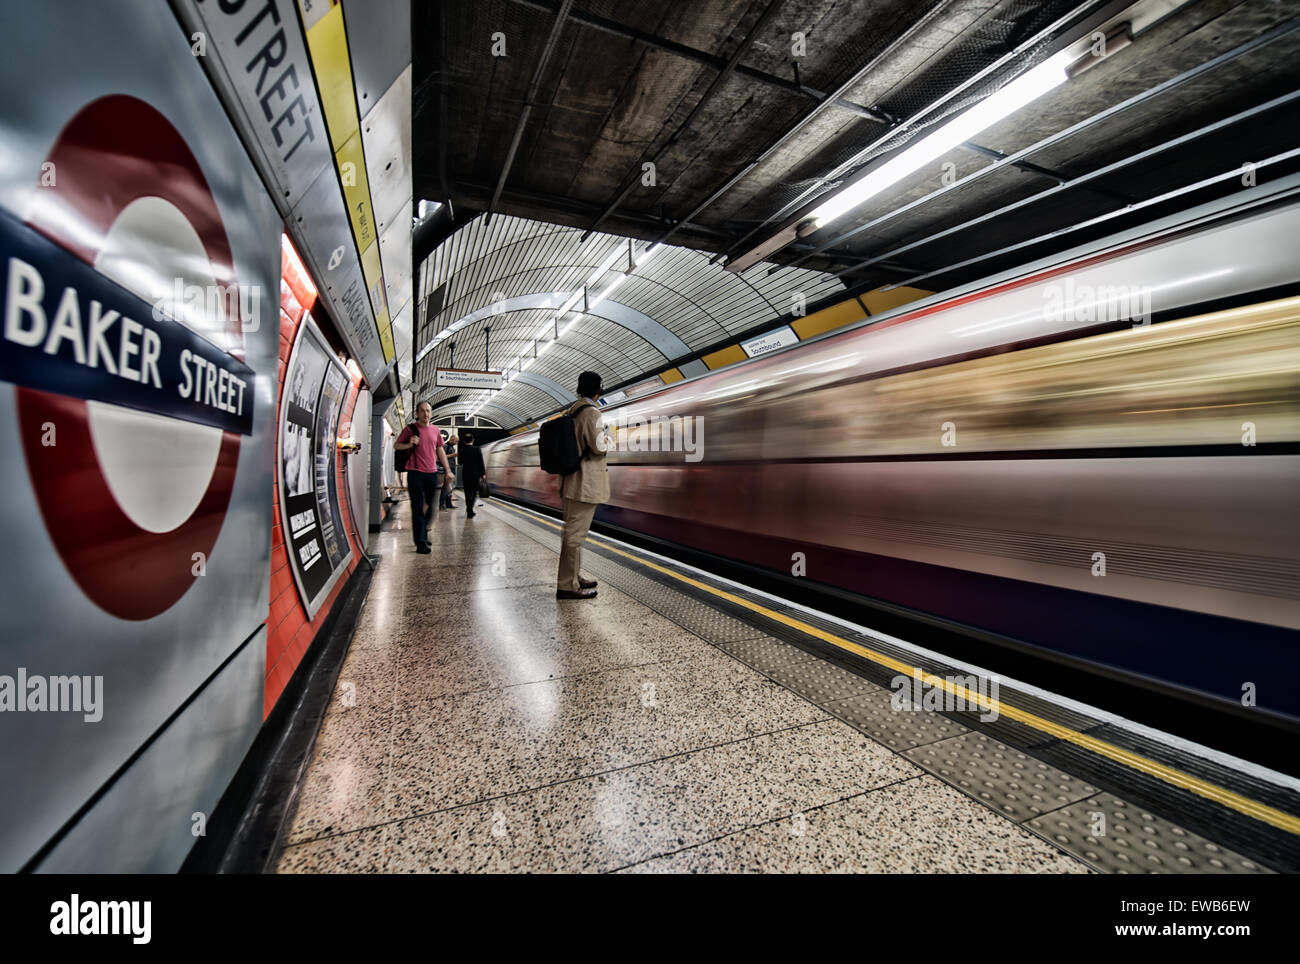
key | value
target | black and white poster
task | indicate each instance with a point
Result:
(315, 388)
(333, 393)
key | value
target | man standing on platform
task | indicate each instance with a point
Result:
(472, 470)
(582, 490)
(422, 472)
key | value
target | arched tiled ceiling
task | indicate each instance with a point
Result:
(512, 275)
(629, 318)
(493, 416)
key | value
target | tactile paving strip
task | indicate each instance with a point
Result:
(873, 714)
(1255, 840)
(1019, 734)
(692, 614)
(764, 653)
(1023, 735)
(1012, 783)
(819, 681)
(1018, 786)
(1134, 841)
(534, 530)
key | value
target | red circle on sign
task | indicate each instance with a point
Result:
(115, 150)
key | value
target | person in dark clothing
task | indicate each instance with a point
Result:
(472, 470)
(450, 448)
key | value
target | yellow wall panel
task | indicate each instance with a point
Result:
(670, 376)
(727, 356)
(385, 335)
(836, 316)
(328, 43)
(356, 191)
(879, 301)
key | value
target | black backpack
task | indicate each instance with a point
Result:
(402, 456)
(557, 444)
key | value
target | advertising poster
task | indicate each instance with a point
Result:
(325, 452)
(315, 387)
(357, 465)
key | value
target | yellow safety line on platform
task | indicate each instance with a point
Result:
(1202, 788)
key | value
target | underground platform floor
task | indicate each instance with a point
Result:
(478, 724)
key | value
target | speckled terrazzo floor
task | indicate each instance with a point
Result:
(481, 725)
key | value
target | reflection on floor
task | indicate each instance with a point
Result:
(481, 725)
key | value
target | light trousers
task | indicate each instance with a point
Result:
(577, 520)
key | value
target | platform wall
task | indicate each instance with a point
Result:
(143, 555)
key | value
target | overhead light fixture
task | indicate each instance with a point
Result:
(604, 294)
(606, 264)
(567, 305)
(1025, 89)
(648, 253)
(1115, 39)
(999, 105)
(573, 300)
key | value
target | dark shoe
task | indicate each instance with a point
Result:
(587, 583)
(470, 515)
(575, 594)
(423, 550)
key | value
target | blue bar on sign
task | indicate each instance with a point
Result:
(68, 329)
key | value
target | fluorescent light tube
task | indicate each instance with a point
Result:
(604, 294)
(997, 106)
(648, 253)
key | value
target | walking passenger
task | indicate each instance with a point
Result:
(450, 487)
(472, 470)
(582, 490)
(422, 471)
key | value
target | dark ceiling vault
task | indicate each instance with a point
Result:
(716, 125)
(749, 109)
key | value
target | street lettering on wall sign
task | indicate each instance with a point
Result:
(275, 69)
(68, 329)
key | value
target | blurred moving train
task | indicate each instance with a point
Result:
(1094, 457)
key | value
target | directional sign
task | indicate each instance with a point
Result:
(783, 337)
(467, 378)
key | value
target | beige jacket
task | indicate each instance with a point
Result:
(591, 482)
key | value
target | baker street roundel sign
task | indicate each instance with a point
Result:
(132, 395)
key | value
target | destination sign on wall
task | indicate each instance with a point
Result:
(466, 378)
